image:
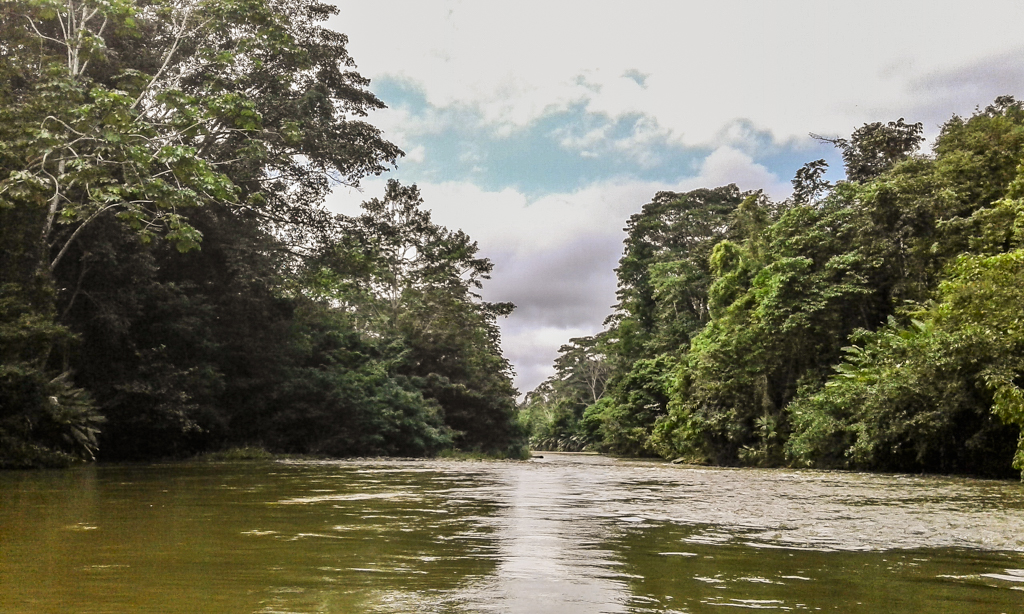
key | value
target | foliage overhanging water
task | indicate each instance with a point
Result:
(563, 533)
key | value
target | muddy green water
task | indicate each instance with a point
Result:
(561, 534)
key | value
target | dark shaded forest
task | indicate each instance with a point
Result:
(171, 282)
(873, 323)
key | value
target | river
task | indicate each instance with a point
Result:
(566, 533)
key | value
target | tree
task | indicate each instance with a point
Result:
(221, 122)
(664, 277)
(553, 412)
(940, 393)
(667, 247)
(875, 148)
(663, 311)
(809, 185)
(411, 285)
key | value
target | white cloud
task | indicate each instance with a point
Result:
(416, 154)
(507, 221)
(727, 165)
(399, 124)
(791, 66)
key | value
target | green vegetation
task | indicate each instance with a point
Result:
(170, 282)
(871, 324)
(247, 453)
(520, 453)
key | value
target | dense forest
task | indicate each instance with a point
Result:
(170, 279)
(172, 283)
(875, 323)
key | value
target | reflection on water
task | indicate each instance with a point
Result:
(549, 557)
(563, 533)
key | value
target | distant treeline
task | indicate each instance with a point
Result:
(876, 323)
(170, 281)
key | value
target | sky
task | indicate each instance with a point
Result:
(538, 128)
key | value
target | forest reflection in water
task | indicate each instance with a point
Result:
(563, 533)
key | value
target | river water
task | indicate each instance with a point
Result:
(566, 533)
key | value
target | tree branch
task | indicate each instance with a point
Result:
(167, 59)
(74, 235)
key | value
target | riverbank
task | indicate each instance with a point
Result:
(257, 453)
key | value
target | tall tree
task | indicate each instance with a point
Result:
(553, 412)
(876, 147)
(664, 280)
(412, 285)
(207, 121)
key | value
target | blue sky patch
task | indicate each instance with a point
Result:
(570, 148)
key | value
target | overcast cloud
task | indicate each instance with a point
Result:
(540, 127)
